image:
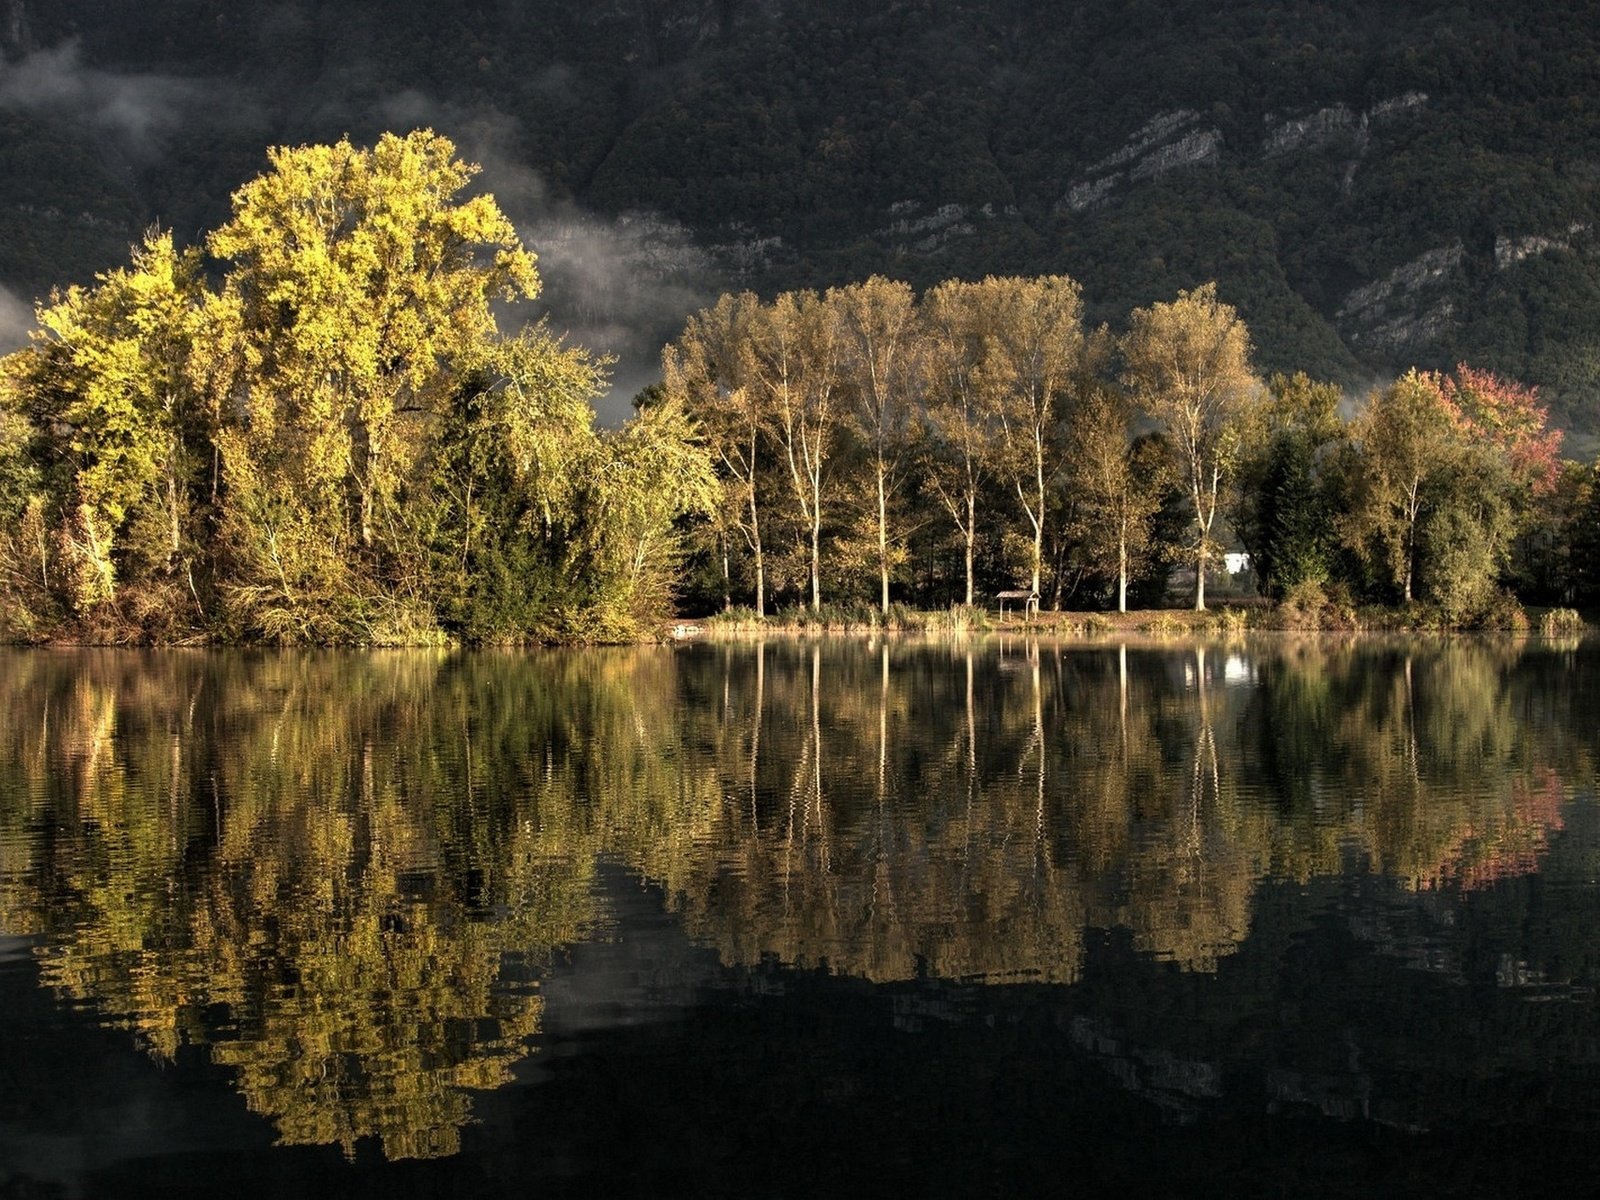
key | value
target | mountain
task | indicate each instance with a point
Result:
(1373, 184)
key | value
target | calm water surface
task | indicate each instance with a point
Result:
(802, 918)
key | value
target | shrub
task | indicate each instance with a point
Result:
(740, 616)
(1559, 622)
(1503, 613)
(1164, 625)
(1230, 622)
(1311, 605)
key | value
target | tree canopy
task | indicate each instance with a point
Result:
(334, 441)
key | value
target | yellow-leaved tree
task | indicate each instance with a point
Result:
(356, 280)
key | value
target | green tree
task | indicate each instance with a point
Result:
(355, 279)
(506, 473)
(1282, 512)
(1188, 364)
(648, 475)
(1404, 440)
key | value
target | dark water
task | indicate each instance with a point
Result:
(1270, 918)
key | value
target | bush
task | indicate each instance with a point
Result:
(1231, 622)
(1164, 625)
(740, 616)
(1560, 622)
(1310, 605)
(1504, 614)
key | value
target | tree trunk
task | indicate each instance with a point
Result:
(883, 539)
(727, 596)
(1122, 574)
(972, 533)
(761, 561)
(816, 565)
(1200, 578)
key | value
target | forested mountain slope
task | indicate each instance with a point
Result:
(1373, 184)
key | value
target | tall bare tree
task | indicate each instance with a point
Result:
(795, 351)
(1119, 487)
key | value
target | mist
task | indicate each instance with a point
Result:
(619, 286)
(16, 318)
(136, 111)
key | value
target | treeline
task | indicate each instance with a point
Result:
(979, 437)
(314, 431)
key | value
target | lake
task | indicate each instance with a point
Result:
(793, 917)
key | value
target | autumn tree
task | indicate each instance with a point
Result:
(1187, 361)
(122, 435)
(336, 443)
(961, 430)
(354, 279)
(710, 369)
(1035, 355)
(1119, 486)
(880, 371)
(1507, 469)
(796, 348)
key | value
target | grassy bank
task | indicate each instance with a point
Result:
(1301, 616)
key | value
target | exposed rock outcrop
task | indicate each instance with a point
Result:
(1406, 309)
(1166, 142)
(1330, 125)
(1508, 251)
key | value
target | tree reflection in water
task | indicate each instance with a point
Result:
(345, 873)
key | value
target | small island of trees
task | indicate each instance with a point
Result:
(313, 430)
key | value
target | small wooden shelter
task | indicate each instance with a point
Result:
(1029, 600)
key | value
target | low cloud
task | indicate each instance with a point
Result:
(620, 286)
(16, 318)
(136, 111)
